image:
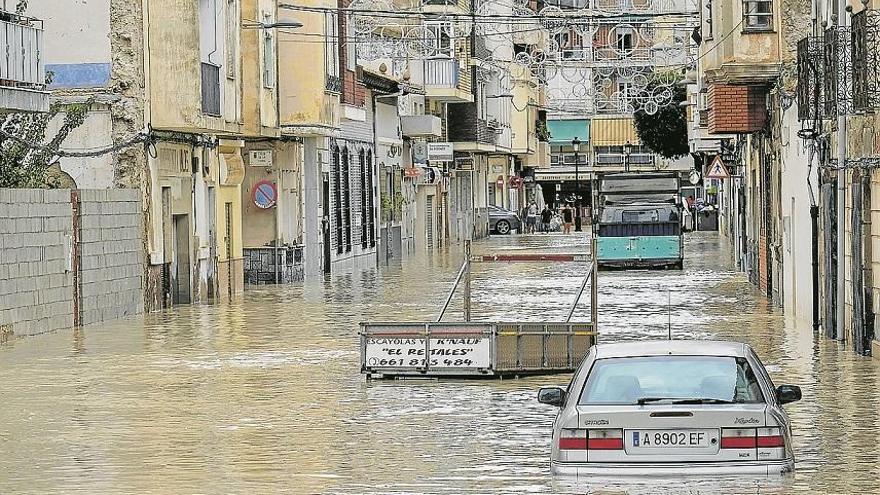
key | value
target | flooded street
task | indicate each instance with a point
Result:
(265, 395)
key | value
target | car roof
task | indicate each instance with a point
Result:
(671, 348)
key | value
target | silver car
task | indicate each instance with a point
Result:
(503, 221)
(671, 408)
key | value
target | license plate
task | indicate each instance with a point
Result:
(647, 441)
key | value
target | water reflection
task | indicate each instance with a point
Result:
(264, 395)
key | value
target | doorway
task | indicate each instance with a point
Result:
(181, 292)
(325, 224)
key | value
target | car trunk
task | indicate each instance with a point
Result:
(665, 433)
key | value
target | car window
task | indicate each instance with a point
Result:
(626, 380)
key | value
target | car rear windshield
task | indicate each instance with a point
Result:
(664, 379)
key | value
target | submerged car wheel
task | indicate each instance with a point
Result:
(502, 227)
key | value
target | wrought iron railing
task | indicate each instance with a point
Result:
(810, 73)
(333, 84)
(838, 71)
(211, 89)
(441, 72)
(866, 60)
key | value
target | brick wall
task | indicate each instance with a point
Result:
(57, 266)
(112, 254)
(353, 90)
(735, 109)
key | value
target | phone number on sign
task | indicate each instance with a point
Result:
(420, 362)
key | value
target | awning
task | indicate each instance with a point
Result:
(564, 131)
(613, 132)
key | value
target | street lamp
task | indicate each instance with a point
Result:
(627, 149)
(576, 145)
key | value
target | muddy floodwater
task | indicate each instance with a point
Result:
(264, 395)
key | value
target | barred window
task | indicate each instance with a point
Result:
(757, 15)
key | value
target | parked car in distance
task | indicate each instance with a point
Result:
(503, 221)
(671, 407)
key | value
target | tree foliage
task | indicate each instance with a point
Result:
(665, 132)
(26, 154)
(21, 163)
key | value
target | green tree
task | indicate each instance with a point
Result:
(25, 151)
(665, 131)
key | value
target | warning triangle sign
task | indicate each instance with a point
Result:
(717, 170)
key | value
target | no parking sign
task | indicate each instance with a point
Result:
(264, 194)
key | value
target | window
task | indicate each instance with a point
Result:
(441, 42)
(482, 101)
(757, 15)
(624, 41)
(624, 96)
(231, 37)
(268, 55)
(571, 45)
(626, 380)
(707, 21)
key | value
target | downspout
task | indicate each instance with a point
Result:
(842, 21)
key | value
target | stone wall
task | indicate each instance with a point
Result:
(69, 257)
(36, 277)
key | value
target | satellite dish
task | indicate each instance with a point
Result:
(694, 177)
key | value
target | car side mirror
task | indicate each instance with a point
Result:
(552, 396)
(788, 393)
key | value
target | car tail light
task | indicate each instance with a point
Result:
(605, 440)
(739, 438)
(770, 438)
(768, 442)
(771, 443)
(572, 439)
(580, 439)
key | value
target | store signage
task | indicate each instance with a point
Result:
(464, 163)
(441, 353)
(260, 158)
(440, 152)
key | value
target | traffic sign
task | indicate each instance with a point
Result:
(264, 194)
(717, 170)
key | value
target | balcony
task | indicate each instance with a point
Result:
(809, 86)
(421, 126)
(865, 60)
(443, 80)
(211, 90)
(22, 73)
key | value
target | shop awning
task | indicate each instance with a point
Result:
(613, 132)
(564, 131)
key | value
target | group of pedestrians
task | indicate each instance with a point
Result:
(565, 214)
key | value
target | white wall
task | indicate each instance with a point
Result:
(89, 173)
(797, 235)
(76, 31)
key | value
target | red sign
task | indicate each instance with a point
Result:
(500, 181)
(412, 172)
(515, 182)
(264, 194)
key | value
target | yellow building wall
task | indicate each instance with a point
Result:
(258, 101)
(523, 115)
(301, 71)
(175, 69)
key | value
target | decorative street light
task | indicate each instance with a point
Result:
(576, 144)
(627, 149)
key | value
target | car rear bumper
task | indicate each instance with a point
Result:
(581, 469)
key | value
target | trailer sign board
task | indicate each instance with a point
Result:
(453, 352)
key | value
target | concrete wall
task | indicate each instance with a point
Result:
(77, 41)
(36, 279)
(112, 254)
(43, 283)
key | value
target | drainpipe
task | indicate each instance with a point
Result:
(814, 227)
(842, 21)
